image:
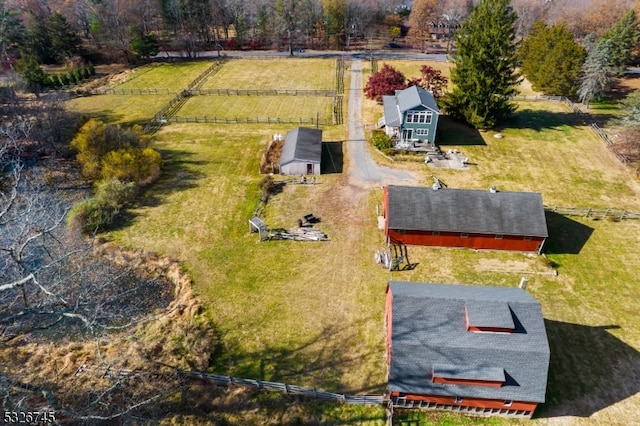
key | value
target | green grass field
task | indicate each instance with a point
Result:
(123, 109)
(172, 76)
(258, 107)
(311, 313)
(275, 73)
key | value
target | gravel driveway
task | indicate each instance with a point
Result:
(362, 170)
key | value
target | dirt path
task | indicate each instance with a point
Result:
(362, 171)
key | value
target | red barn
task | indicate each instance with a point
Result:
(475, 219)
(476, 349)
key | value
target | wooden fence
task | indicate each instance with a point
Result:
(246, 120)
(290, 389)
(152, 91)
(336, 110)
(340, 65)
(273, 92)
(594, 213)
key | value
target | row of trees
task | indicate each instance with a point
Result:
(54, 30)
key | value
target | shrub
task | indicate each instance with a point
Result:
(98, 212)
(139, 165)
(380, 140)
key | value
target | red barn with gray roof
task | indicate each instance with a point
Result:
(477, 349)
(476, 219)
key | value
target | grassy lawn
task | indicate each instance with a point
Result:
(258, 106)
(172, 76)
(124, 109)
(283, 74)
(311, 313)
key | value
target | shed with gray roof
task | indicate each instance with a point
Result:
(498, 220)
(435, 357)
(301, 152)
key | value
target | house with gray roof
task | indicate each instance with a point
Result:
(476, 349)
(410, 117)
(301, 152)
(477, 219)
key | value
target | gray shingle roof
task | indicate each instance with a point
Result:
(415, 96)
(406, 99)
(465, 210)
(302, 144)
(449, 371)
(391, 113)
(489, 314)
(429, 332)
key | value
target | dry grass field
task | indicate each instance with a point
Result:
(311, 313)
(306, 107)
(275, 73)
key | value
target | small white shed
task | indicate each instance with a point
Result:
(301, 152)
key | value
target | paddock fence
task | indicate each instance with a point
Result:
(272, 92)
(612, 214)
(289, 389)
(246, 120)
(150, 91)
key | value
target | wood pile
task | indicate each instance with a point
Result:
(300, 234)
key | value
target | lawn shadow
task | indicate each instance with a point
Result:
(332, 159)
(566, 236)
(590, 369)
(320, 361)
(456, 133)
(178, 174)
(540, 120)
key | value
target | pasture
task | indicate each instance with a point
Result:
(294, 107)
(275, 73)
(311, 313)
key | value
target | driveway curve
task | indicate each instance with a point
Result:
(362, 170)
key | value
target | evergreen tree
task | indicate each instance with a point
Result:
(485, 76)
(596, 72)
(64, 40)
(552, 60)
(623, 36)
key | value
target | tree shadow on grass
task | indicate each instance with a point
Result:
(456, 133)
(590, 369)
(540, 120)
(332, 159)
(566, 236)
(177, 175)
(320, 361)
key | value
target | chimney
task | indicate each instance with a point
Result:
(523, 283)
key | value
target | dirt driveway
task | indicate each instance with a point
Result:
(362, 171)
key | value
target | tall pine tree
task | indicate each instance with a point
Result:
(485, 76)
(552, 60)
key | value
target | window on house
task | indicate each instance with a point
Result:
(422, 132)
(499, 237)
(435, 233)
(458, 399)
(508, 403)
(464, 235)
(527, 238)
(419, 117)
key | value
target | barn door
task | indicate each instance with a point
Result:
(309, 169)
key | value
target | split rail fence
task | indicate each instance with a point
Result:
(594, 213)
(290, 389)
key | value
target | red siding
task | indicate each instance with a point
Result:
(388, 313)
(473, 241)
(470, 402)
